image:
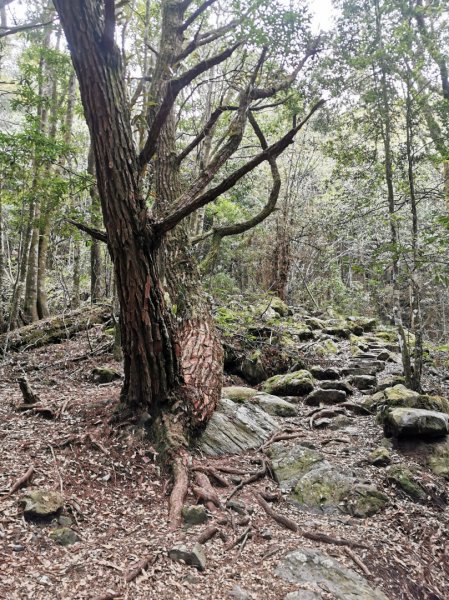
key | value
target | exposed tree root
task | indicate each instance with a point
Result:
(205, 492)
(254, 477)
(327, 539)
(279, 437)
(213, 473)
(180, 488)
(37, 409)
(281, 519)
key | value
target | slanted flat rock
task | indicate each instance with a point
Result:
(363, 382)
(64, 536)
(404, 479)
(235, 428)
(274, 405)
(307, 565)
(400, 396)
(41, 503)
(344, 386)
(303, 595)
(415, 422)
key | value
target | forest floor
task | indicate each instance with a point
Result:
(116, 496)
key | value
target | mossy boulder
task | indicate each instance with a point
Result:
(41, 503)
(323, 488)
(326, 348)
(380, 457)
(194, 515)
(290, 464)
(364, 501)
(238, 393)
(298, 383)
(275, 406)
(64, 536)
(279, 307)
(403, 478)
(439, 460)
(414, 422)
(400, 396)
(105, 375)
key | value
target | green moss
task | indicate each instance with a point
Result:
(439, 460)
(238, 393)
(289, 465)
(326, 348)
(365, 501)
(404, 479)
(380, 457)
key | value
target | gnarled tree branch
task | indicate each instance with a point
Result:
(95, 233)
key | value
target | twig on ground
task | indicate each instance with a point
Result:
(141, 566)
(61, 485)
(281, 519)
(20, 482)
(240, 539)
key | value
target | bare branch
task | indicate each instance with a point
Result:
(188, 204)
(12, 30)
(205, 38)
(205, 132)
(199, 11)
(173, 89)
(219, 233)
(259, 93)
(95, 233)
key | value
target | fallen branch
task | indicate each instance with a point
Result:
(39, 409)
(280, 437)
(254, 477)
(358, 562)
(240, 539)
(21, 481)
(207, 534)
(141, 566)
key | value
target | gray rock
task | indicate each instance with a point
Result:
(275, 406)
(193, 558)
(389, 381)
(364, 382)
(41, 503)
(323, 373)
(344, 386)
(415, 422)
(64, 536)
(327, 396)
(65, 521)
(194, 515)
(403, 478)
(235, 428)
(308, 565)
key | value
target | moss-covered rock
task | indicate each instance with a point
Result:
(364, 501)
(290, 464)
(279, 306)
(380, 457)
(326, 348)
(105, 375)
(324, 488)
(404, 480)
(439, 460)
(194, 515)
(64, 536)
(238, 393)
(298, 383)
(41, 503)
(400, 396)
